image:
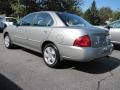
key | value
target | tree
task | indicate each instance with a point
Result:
(74, 6)
(116, 15)
(92, 14)
(23, 7)
(88, 15)
(28, 6)
(5, 7)
(105, 13)
(61, 5)
(19, 8)
(31, 5)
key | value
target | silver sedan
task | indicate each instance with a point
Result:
(59, 36)
(114, 29)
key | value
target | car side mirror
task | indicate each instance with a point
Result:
(108, 26)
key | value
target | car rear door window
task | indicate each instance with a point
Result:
(43, 19)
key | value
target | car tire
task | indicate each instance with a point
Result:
(51, 56)
(7, 42)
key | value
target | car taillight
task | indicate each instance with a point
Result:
(83, 41)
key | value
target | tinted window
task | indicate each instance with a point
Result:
(115, 24)
(11, 20)
(28, 20)
(73, 20)
(43, 19)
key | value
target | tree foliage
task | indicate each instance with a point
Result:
(100, 16)
(19, 11)
(116, 15)
(31, 5)
(61, 5)
(19, 8)
(92, 14)
(5, 7)
(105, 14)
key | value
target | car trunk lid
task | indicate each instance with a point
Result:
(99, 37)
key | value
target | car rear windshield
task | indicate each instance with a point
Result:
(72, 19)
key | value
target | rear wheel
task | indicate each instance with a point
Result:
(7, 42)
(51, 55)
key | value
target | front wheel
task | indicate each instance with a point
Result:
(7, 42)
(51, 56)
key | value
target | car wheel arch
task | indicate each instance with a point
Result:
(45, 43)
(49, 44)
(6, 36)
(6, 33)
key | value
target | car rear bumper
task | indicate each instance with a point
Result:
(84, 54)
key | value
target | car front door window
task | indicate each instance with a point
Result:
(27, 20)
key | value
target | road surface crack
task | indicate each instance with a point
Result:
(99, 82)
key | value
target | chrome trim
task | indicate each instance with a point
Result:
(20, 37)
(34, 40)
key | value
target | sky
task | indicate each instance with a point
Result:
(113, 4)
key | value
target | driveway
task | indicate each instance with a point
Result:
(22, 69)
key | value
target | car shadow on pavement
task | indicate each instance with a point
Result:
(6, 84)
(32, 52)
(99, 66)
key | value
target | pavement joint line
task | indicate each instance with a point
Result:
(99, 82)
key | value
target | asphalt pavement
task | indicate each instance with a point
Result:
(22, 69)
